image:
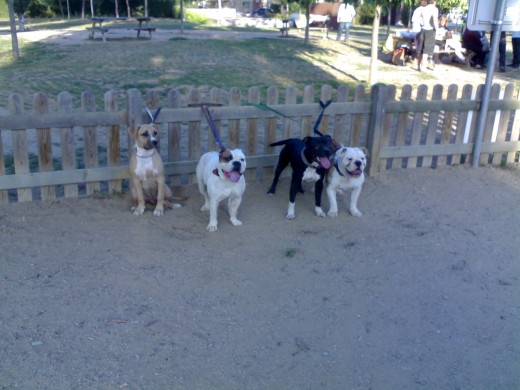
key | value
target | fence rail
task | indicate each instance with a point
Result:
(55, 149)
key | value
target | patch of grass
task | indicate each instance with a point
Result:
(196, 63)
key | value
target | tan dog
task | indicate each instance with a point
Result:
(147, 170)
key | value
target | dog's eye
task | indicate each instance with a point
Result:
(145, 134)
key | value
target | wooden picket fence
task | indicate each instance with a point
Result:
(58, 150)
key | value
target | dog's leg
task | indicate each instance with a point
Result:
(138, 195)
(159, 208)
(353, 202)
(282, 164)
(333, 209)
(318, 190)
(204, 191)
(296, 180)
(213, 208)
(233, 204)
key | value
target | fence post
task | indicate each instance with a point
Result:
(378, 97)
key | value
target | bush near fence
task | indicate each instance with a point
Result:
(73, 151)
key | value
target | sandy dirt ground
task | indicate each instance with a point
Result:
(422, 292)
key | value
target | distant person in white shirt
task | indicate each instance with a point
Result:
(428, 18)
(346, 13)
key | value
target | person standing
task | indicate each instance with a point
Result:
(428, 19)
(346, 13)
(515, 41)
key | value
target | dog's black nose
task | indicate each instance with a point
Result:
(358, 164)
(237, 166)
(155, 142)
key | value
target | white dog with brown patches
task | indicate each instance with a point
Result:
(220, 175)
(347, 174)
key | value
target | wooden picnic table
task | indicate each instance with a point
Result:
(97, 26)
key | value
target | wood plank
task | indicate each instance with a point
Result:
(325, 96)
(431, 129)
(502, 126)
(114, 142)
(387, 123)
(341, 120)
(67, 144)
(44, 141)
(307, 121)
(20, 148)
(90, 144)
(402, 124)
(375, 127)
(252, 129)
(37, 179)
(461, 117)
(418, 124)
(515, 133)
(438, 150)
(289, 130)
(490, 123)
(4, 195)
(357, 119)
(235, 99)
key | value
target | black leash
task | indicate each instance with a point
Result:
(211, 122)
(152, 116)
(318, 121)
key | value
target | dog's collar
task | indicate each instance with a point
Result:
(337, 169)
(215, 172)
(146, 156)
(306, 162)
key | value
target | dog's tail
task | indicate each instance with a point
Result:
(278, 143)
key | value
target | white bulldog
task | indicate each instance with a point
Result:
(347, 174)
(220, 175)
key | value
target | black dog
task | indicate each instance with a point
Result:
(310, 160)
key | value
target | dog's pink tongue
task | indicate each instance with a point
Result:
(234, 176)
(324, 162)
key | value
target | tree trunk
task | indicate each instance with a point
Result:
(91, 8)
(116, 5)
(145, 8)
(372, 77)
(307, 18)
(182, 16)
(128, 9)
(14, 37)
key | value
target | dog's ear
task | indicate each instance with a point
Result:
(365, 150)
(225, 155)
(343, 150)
(306, 139)
(132, 131)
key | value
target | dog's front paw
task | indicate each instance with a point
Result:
(290, 216)
(332, 213)
(138, 210)
(235, 222)
(356, 213)
(204, 208)
(319, 212)
(158, 212)
(176, 205)
(211, 227)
